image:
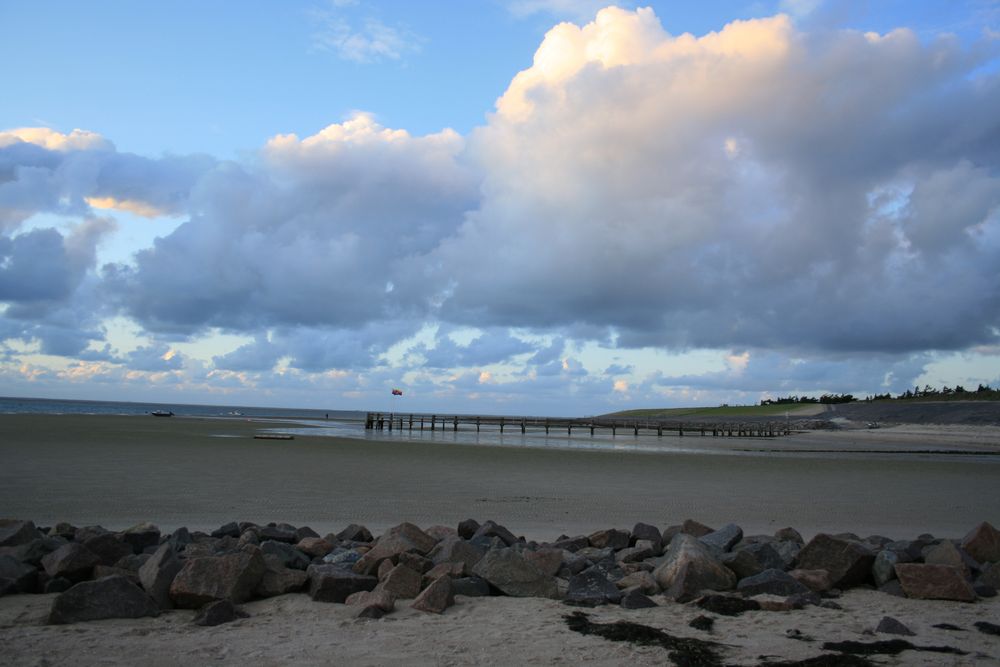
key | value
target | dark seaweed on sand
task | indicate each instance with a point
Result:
(887, 647)
(825, 660)
(988, 628)
(684, 652)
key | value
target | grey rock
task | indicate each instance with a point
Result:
(771, 582)
(32, 552)
(289, 555)
(231, 529)
(141, 536)
(634, 554)
(283, 532)
(645, 531)
(23, 578)
(893, 588)
(179, 539)
(946, 553)
(884, 566)
(890, 626)
(14, 532)
(692, 527)
(355, 533)
(548, 560)
(57, 585)
(278, 579)
(345, 558)
(493, 529)
(467, 528)
(72, 561)
(934, 582)
(435, 598)
(610, 538)
(572, 544)
(415, 562)
(591, 589)
(456, 550)
(157, 573)
(108, 547)
(789, 535)
(848, 562)
(404, 537)
(110, 597)
(330, 583)
(724, 538)
(509, 572)
(402, 582)
(989, 575)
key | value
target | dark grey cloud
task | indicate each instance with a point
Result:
(491, 347)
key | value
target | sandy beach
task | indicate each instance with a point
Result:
(201, 473)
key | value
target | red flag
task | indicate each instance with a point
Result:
(397, 392)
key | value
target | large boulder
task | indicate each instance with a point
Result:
(22, 577)
(330, 583)
(108, 547)
(934, 582)
(983, 543)
(645, 531)
(71, 561)
(281, 532)
(110, 597)
(398, 539)
(228, 577)
(611, 537)
(508, 571)
(493, 529)
(946, 553)
(884, 566)
(157, 573)
(355, 533)
(548, 560)
(286, 553)
(771, 582)
(467, 528)
(689, 567)
(591, 588)
(14, 532)
(32, 552)
(848, 562)
(278, 579)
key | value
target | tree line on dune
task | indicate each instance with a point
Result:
(983, 393)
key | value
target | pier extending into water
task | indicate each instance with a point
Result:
(378, 421)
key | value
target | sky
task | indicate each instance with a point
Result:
(554, 207)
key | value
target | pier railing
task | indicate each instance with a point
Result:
(378, 421)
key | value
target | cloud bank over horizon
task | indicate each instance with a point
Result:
(824, 206)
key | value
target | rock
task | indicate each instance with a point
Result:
(278, 579)
(641, 580)
(101, 571)
(742, 563)
(315, 547)
(548, 560)
(217, 613)
(32, 552)
(231, 529)
(983, 543)
(355, 533)
(22, 577)
(14, 532)
(229, 577)
(817, 581)
(67, 531)
(724, 538)
(771, 582)
(934, 582)
(692, 527)
(441, 532)
(304, 532)
(453, 570)
(110, 597)
(435, 598)
(984, 591)
(849, 563)
(72, 561)
(57, 585)
(283, 532)
(989, 575)
(134, 561)
(634, 599)
(803, 600)
(384, 601)
(892, 587)
(493, 529)
(946, 553)
(456, 550)
(635, 554)
(330, 583)
(289, 555)
(179, 539)
(384, 568)
(644, 531)
(141, 536)
(789, 535)
(467, 528)
(345, 558)
(372, 612)
(472, 587)
(508, 571)
(591, 589)
(571, 544)
(415, 562)
(787, 551)
(108, 547)
(251, 537)
(613, 538)
(402, 582)
(884, 566)
(703, 623)
(689, 568)
(890, 626)
(404, 537)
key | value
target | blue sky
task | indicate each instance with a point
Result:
(512, 206)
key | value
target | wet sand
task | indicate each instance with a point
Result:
(201, 473)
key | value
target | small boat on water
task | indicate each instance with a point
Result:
(162, 413)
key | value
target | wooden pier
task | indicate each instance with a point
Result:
(378, 421)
